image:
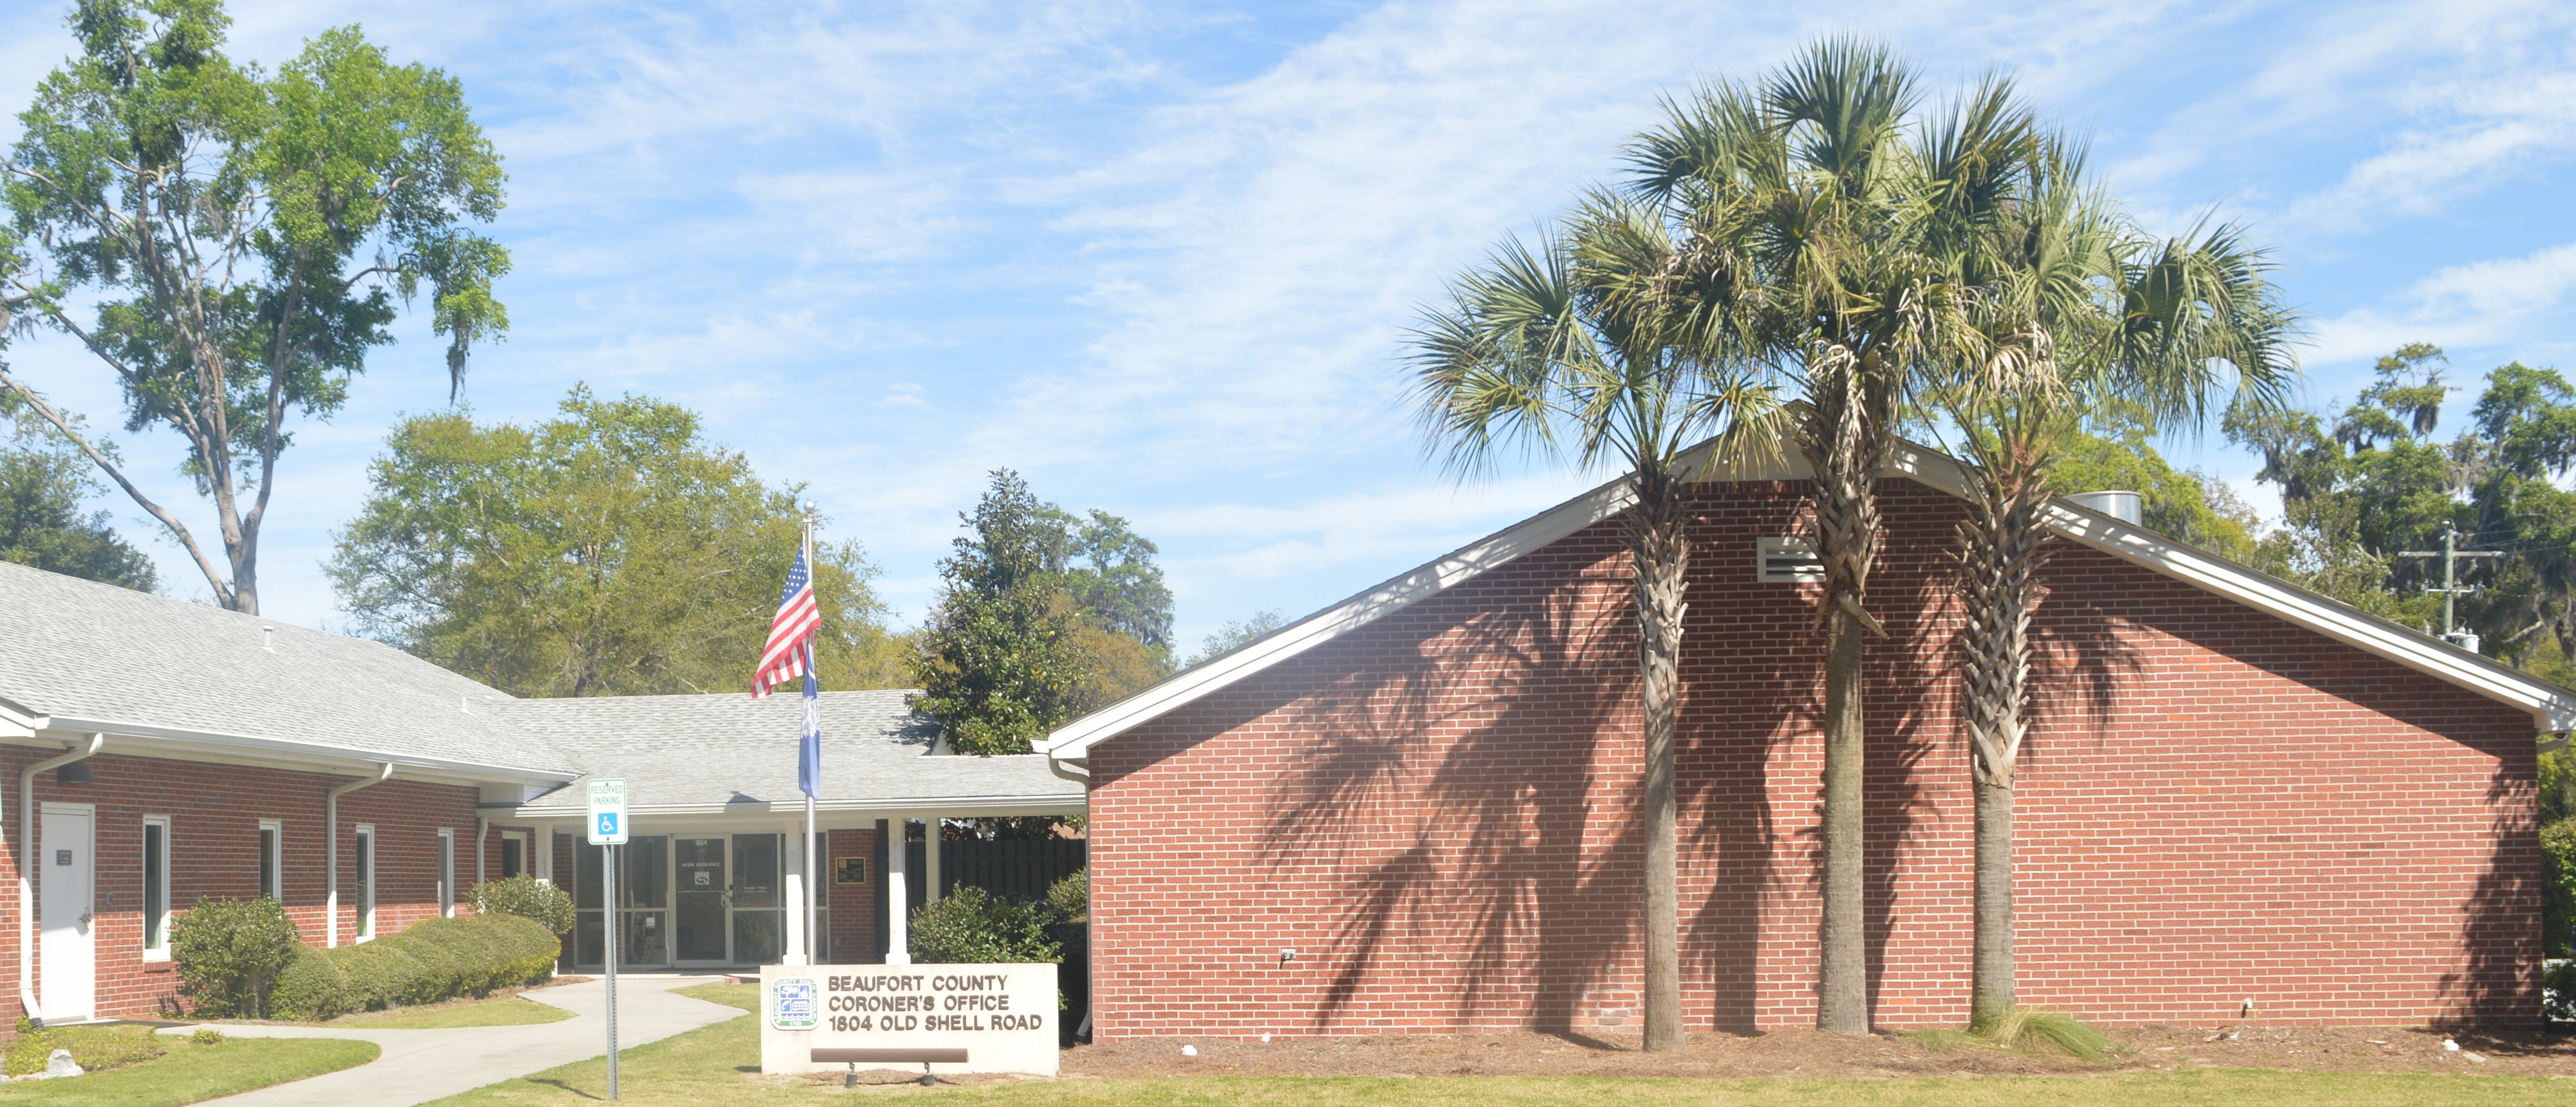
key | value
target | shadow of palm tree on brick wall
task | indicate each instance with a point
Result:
(1462, 759)
(1910, 719)
(1750, 685)
(2498, 981)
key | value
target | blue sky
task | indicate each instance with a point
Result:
(1161, 259)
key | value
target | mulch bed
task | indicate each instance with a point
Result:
(1815, 1053)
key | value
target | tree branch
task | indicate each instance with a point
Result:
(223, 593)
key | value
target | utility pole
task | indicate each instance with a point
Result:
(2451, 553)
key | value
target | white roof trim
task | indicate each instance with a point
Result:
(1073, 741)
(2552, 708)
(954, 807)
(317, 754)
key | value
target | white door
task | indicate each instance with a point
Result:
(65, 871)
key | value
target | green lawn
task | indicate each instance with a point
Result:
(192, 1072)
(511, 1011)
(711, 1065)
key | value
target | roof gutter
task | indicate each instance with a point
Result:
(26, 862)
(351, 756)
(885, 808)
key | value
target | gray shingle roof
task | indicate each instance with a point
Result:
(696, 751)
(90, 655)
(80, 650)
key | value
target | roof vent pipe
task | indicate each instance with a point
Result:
(2127, 507)
(268, 639)
(26, 890)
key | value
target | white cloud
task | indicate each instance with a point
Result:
(2487, 303)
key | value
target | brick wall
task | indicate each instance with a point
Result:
(214, 812)
(1437, 812)
(854, 921)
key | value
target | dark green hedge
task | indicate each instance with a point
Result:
(433, 960)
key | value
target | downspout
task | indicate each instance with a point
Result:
(482, 834)
(1081, 775)
(26, 886)
(331, 898)
(1064, 768)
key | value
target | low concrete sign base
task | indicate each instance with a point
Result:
(953, 1018)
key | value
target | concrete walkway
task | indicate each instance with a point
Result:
(421, 1065)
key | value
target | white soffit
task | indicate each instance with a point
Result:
(2552, 708)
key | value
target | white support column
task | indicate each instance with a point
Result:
(930, 858)
(543, 844)
(898, 900)
(792, 863)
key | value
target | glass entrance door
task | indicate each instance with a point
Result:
(698, 915)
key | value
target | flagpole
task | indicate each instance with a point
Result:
(812, 876)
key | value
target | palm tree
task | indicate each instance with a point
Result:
(2080, 314)
(1567, 349)
(1821, 229)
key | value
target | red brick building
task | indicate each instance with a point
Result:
(1415, 811)
(154, 752)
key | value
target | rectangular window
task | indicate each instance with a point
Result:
(366, 881)
(514, 855)
(272, 860)
(446, 873)
(156, 887)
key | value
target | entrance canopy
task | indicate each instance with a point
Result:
(714, 868)
(691, 758)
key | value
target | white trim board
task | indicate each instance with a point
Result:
(2552, 708)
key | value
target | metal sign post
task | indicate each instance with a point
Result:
(608, 831)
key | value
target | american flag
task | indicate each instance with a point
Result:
(790, 652)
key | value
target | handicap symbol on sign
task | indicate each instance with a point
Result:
(607, 823)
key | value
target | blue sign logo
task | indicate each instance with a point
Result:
(608, 824)
(791, 1003)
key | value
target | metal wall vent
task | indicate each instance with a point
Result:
(1786, 561)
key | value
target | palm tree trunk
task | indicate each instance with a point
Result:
(1991, 986)
(1845, 441)
(1999, 557)
(1843, 1005)
(1660, 553)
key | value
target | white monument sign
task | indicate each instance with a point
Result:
(953, 1018)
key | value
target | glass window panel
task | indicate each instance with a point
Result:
(366, 885)
(759, 937)
(268, 863)
(585, 885)
(513, 859)
(587, 939)
(156, 889)
(755, 862)
(645, 939)
(644, 879)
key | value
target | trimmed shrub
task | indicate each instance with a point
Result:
(93, 1047)
(433, 960)
(971, 926)
(312, 989)
(1070, 898)
(229, 952)
(526, 897)
(2558, 991)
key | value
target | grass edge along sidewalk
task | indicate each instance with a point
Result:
(718, 1065)
(192, 1073)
